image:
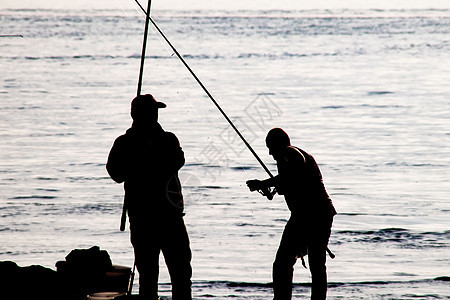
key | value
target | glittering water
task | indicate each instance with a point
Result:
(366, 92)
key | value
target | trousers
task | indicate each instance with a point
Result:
(170, 237)
(297, 241)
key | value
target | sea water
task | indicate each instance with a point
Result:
(366, 92)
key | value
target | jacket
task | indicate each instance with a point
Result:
(148, 163)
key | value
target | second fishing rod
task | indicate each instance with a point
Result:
(267, 192)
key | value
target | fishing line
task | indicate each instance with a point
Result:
(197, 109)
(206, 91)
(188, 81)
(169, 50)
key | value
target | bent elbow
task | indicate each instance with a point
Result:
(116, 176)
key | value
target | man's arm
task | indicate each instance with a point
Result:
(174, 154)
(116, 165)
(256, 184)
(290, 166)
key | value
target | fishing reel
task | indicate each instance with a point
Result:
(267, 192)
(256, 185)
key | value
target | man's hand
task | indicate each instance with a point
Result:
(262, 187)
(255, 185)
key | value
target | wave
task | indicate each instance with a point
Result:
(201, 56)
(243, 168)
(366, 105)
(9, 229)
(434, 288)
(332, 284)
(42, 197)
(399, 237)
(81, 24)
(377, 93)
(86, 178)
(209, 187)
(46, 178)
(110, 208)
(249, 13)
(285, 55)
(93, 57)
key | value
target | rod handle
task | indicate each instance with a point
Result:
(123, 218)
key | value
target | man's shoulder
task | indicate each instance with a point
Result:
(291, 156)
(169, 135)
(305, 154)
(124, 139)
(170, 138)
(295, 152)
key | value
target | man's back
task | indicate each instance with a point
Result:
(302, 185)
(148, 166)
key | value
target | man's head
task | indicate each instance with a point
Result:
(276, 140)
(144, 108)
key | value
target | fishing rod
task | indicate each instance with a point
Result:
(123, 219)
(139, 88)
(266, 192)
(144, 47)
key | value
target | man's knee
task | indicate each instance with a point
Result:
(317, 262)
(283, 263)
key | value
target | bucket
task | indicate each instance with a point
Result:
(117, 279)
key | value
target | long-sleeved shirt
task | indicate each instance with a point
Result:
(147, 161)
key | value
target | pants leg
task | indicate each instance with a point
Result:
(283, 271)
(317, 266)
(177, 255)
(146, 252)
(300, 239)
(317, 257)
(283, 266)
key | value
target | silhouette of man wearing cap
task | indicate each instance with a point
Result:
(308, 230)
(147, 159)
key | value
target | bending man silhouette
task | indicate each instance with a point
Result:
(147, 159)
(308, 230)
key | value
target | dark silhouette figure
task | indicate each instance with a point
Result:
(33, 282)
(308, 230)
(147, 159)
